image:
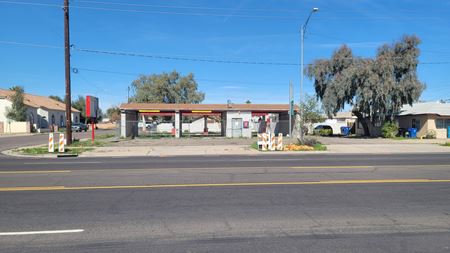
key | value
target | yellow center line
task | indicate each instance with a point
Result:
(159, 186)
(332, 167)
(34, 171)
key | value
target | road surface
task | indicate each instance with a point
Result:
(11, 142)
(321, 203)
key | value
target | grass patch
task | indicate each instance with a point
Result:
(319, 147)
(155, 136)
(447, 144)
(33, 151)
(88, 143)
(254, 145)
(104, 136)
(77, 147)
(44, 150)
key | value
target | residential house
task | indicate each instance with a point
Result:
(426, 118)
(341, 119)
(41, 112)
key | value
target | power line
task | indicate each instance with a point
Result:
(192, 59)
(187, 7)
(211, 14)
(29, 44)
(183, 58)
(76, 70)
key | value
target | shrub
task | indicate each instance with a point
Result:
(431, 134)
(309, 142)
(325, 132)
(389, 130)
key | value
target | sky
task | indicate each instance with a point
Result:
(257, 43)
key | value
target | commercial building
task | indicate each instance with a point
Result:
(41, 113)
(233, 120)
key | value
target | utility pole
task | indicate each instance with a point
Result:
(302, 42)
(291, 109)
(68, 99)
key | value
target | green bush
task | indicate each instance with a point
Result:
(325, 132)
(431, 134)
(308, 142)
(389, 130)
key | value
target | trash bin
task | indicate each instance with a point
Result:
(402, 132)
(412, 132)
(345, 130)
(448, 132)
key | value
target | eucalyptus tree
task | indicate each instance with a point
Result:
(376, 88)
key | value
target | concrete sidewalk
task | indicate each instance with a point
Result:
(163, 151)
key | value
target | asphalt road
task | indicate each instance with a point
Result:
(319, 203)
(11, 142)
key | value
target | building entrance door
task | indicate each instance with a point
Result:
(236, 128)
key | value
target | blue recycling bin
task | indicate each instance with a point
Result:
(448, 132)
(412, 132)
(345, 130)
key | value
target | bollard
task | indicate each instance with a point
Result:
(280, 142)
(272, 144)
(260, 141)
(62, 142)
(51, 144)
(264, 142)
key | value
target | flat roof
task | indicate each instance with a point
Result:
(207, 107)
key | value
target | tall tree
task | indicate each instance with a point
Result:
(167, 88)
(376, 87)
(113, 114)
(18, 109)
(312, 110)
(57, 98)
(80, 105)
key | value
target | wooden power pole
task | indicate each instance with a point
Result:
(68, 99)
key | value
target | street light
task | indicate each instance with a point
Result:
(302, 38)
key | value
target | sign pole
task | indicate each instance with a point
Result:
(93, 130)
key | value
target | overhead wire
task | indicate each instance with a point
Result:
(209, 13)
(192, 59)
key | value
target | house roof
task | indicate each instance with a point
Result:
(38, 101)
(344, 115)
(208, 107)
(441, 109)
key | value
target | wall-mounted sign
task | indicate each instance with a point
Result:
(149, 111)
(246, 124)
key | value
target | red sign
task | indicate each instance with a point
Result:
(246, 124)
(91, 107)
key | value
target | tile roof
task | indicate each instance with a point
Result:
(211, 107)
(38, 101)
(442, 109)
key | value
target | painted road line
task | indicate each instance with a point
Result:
(34, 171)
(46, 232)
(332, 167)
(68, 162)
(162, 186)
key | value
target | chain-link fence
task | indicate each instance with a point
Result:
(201, 126)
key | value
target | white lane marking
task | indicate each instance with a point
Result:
(68, 162)
(43, 232)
